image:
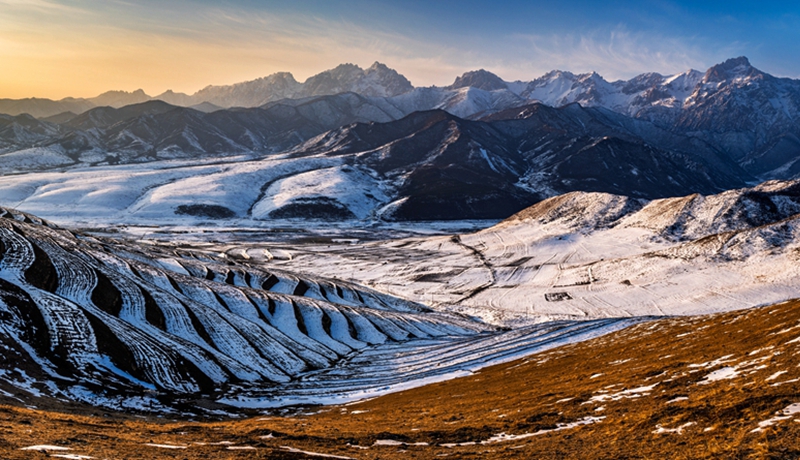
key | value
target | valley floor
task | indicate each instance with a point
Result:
(519, 273)
(716, 386)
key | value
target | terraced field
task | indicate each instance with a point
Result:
(128, 326)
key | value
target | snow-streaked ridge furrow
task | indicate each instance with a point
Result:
(123, 319)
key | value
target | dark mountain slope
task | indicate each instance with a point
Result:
(443, 167)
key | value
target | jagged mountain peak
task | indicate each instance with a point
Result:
(285, 77)
(379, 67)
(685, 80)
(349, 71)
(383, 71)
(345, 68)
(558, 74)
(377, 81)
(590, 77)
(641, 82)
(735, 68)
(120, 98)
(138, 92)
(481, 79)
(281, 76)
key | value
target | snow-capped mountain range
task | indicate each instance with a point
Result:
(426, 166)
(673, 99)
(479, 148)
(374, 81)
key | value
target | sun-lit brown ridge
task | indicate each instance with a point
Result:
(720, 386)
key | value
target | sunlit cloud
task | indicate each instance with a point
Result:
(81, 48)
(187, 50)
(36, 5)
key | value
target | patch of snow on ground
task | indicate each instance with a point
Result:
(679, 430)
(313, 454)
(791, 409)
(392, 442)
(715, 363)
(503, 437)
(775, 376)
(632, 393)
(721, 374)
(777, 384)
(388, 442)
(44, 448)
(784, 414)
(166, 446)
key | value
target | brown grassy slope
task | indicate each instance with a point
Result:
(645, 379)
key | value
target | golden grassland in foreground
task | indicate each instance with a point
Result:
(683, 388)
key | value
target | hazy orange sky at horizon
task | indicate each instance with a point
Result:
(81, 48)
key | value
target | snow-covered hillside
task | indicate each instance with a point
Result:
(127, 325)
(426, 166)
(590, 255)
(742, 114)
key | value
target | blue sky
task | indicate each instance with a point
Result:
(56, 48)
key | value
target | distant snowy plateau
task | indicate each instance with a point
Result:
(276, 243)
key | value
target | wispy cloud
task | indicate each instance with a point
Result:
(56, 48)
(615, 54)
(38, 5)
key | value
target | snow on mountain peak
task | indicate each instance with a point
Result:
(642, 82)
(732, 69)
(481, 79)
(379, 67)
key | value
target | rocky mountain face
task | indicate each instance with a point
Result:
(426, 166)
(375, 81)
(435, 166)
(750, 116)
(439, 166)
(480, 79)
(24, 130)
(156, 130)
(592, 149)
(650, 137)
(651, 96)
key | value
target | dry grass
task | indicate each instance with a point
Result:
(543, 392)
